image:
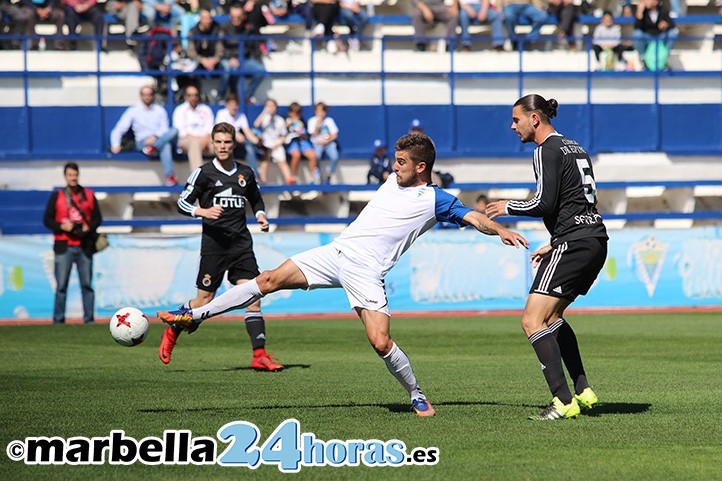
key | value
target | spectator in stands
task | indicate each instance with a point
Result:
(19, 17)
(77, 11)
(129, 12)
(246, 140)
(480, 12)
(152, 134)
(303, 8)
(381, 166)
(179, 61)
(517, 10)
(162, 13)
(325, 12)
(73, 215)
(481, 202)
(253, 68)
(416, 127)
(298, 143)
(652, 23)
(273, 138)
(46, 11)
(566, 14)
(324, 136)
(355, 16)
(205, 45)
(194, 122)
(279, 8)
(608, 36)
(430, 12)
(258, 13)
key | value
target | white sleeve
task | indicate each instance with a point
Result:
(332, 127)
(178, 121)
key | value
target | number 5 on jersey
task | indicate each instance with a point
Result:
(588, 183)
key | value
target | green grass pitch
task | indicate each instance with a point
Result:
(657, 376)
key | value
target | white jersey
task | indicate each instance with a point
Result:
(393, 219)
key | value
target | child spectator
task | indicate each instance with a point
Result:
(273, 136)
(381, 166)
(298, 143)
(608, 36)
(324, 134)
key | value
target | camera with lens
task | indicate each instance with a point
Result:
(77, 229)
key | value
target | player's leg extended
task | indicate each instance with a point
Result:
(538, 311)
(171, 333)
(397, 362)
(286, 276)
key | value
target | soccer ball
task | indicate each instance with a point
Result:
(129, 326)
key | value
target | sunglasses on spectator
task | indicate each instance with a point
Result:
(191, 95)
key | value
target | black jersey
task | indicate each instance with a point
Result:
(566, 195)
(211, 185)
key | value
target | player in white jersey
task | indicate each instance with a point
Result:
(404, 207)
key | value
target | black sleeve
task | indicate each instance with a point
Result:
(664, 15)
(49, 217)
(640, 24)
(547, 168)
(96, 218)
(253, 195)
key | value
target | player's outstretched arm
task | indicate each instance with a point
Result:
(487, 226)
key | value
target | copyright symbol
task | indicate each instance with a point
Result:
(16, 450)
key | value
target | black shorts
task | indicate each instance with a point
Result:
(212, 268)
(570, 269)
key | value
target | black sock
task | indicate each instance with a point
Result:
(256, 328)
(569, 350)
(547, 350)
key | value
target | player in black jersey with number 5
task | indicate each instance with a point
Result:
(569, 264)
(221, 188)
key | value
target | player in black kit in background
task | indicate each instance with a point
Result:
(566, 198)
(221, 188)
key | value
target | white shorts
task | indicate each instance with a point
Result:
(326, 266)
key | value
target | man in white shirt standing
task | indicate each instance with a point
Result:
(404, 207)
(194, 122)
(152, 132)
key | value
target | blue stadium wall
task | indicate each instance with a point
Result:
(461, 130)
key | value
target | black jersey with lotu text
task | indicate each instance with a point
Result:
(566, 195)
(211, 185)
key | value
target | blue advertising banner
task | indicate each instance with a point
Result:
(444, 270)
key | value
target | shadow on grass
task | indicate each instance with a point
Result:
(393, 407)
(241, 368)
(601, 409)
